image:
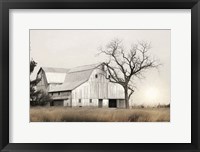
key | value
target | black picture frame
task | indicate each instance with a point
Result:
(5, 5)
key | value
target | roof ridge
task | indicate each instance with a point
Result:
(87, 65)
(81, 68)
(54, 67)
(71, 68)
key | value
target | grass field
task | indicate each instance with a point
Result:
(63, 114)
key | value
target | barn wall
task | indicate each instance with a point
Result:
(105, 103)
(101, 88)
(98, 87)
(65, 97)
(67, 103)
(60, 95)
(81, 92)
(87, 103)
(115, 91)
(42, 85)
(82, 103)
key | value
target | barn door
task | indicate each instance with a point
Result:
(112, 103)
(100, 104)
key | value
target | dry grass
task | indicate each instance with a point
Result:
(63, 114)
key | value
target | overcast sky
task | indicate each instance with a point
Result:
(71, 48)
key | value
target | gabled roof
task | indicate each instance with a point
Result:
(84, 68)
(54, 75)
(75, 77)
(54, 70)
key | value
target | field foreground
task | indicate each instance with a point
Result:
(63, 114)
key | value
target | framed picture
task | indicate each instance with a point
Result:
(99, 75)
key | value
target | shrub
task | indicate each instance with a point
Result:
(41, 99)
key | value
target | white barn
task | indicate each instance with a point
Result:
(50, 77)
(80, 87)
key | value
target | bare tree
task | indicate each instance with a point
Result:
(123, 65)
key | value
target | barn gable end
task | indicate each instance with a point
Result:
(50, 78)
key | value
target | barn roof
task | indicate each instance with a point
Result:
(55, 70)
(54, 75)
(75, 77)
(84, 68)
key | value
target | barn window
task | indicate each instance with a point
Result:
(52, 93)
(79, 100)
(90, 100)
(96, 76)
(58, 93)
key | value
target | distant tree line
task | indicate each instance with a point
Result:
(148, 106)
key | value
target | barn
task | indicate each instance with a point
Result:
(84, 86)
(50, 78)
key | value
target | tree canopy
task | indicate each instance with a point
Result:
(123, 65)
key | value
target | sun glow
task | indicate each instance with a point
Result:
(152, 94)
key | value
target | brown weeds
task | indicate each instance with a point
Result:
(64, 114)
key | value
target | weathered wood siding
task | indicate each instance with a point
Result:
(115, 91)
(60, 95)
(67, 102)
(88, 103)
(98, 87)
(81, 92)
(42, 85)
(61, 98)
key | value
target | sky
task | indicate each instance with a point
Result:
(71, 48)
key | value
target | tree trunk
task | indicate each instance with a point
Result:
(126, 97)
